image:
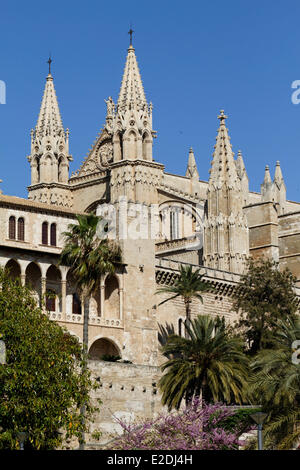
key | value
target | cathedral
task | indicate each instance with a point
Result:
(159, 219)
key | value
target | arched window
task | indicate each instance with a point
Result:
(180, 326)
(174, 225)
(76, 305)
(21, 229)
(50, 300)
(53, 235)
(132, 150)
(45, 233)
(146, 144)
(12, 228)
(111, 297)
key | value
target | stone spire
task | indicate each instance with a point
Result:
(49, 158)
(267, 187)
(192, 171)
(226, 241)
(223, 166)
(241, 170)
(132, 95)
(49, 120)
(279, 188)
(131, 124)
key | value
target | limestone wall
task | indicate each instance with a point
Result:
(127, 391)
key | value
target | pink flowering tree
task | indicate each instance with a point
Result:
(210, 427)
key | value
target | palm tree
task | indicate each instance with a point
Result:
(189, 286)
(88, 258)
(209, 364)
(276, 385)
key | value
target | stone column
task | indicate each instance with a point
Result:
(43, 285)
(121, 302)
(63, 298)
(102, 297)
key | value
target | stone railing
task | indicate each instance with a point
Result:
(93, 320)
(216, 274)
(113, 323)
(182, 243)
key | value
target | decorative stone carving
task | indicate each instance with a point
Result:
(105, 154)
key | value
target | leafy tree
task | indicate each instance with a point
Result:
(42, 387)
(197, 427)
(276, 385)
(189, 285)
(265, 295)
(209, 363)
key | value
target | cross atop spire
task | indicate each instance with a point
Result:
(49, 62)
(130, 32)
(222, 116)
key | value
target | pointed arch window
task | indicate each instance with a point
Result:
(53, 235)
(21, 229)
(12, 228)
(45, 233)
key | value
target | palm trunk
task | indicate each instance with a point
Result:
(85, 357)
(187, 315)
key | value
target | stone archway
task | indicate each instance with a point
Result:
(33, 280)
(53, 289)
(13, 269)
(103, 347)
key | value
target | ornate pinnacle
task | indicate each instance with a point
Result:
(222, 116)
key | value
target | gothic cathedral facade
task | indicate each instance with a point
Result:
(161, 220)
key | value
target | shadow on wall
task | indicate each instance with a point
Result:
(103, 347)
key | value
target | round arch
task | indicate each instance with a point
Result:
(103, 346)
(13, 269)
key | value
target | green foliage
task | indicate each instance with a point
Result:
(189, 285)
(275, 384)
(241, 420)
(42, 385)
(88, 256)
(210, 363)
(265, 296)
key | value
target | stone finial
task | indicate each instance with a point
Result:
(278, 178)
(240, 164)
(192, 171)
(267, 187)
(222, 116)
(267, 177)
(279, 188)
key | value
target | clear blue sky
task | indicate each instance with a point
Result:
(195, 57)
